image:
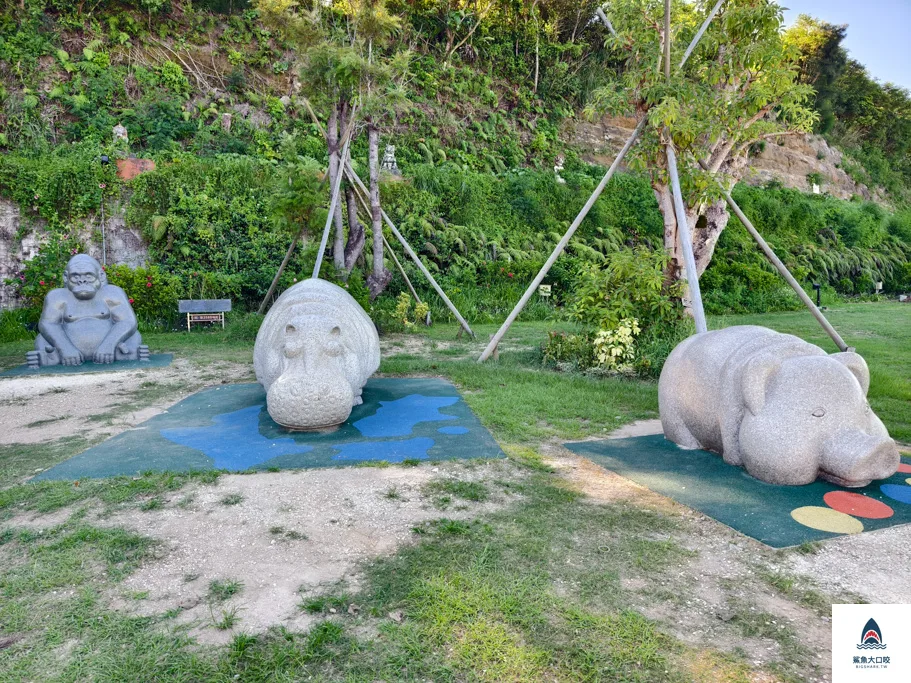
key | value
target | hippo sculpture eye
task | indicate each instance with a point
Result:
(819, 412)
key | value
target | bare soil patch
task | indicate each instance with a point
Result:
(281, 536)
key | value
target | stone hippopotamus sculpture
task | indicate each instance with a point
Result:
(782, 408)
(313, 354)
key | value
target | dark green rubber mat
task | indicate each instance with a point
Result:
(779, 516)
(228, 428)
(157, 360)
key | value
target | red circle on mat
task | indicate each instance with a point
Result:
(904, 468)
(857, 504)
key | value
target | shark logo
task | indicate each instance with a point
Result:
(872, 637)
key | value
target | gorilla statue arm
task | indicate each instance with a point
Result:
(123, 319)
(51, 327)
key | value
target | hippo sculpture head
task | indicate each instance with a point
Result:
(779, 407)
(313, 354)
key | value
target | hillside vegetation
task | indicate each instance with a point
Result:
(214, 96)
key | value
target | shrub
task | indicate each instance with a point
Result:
(152, 293)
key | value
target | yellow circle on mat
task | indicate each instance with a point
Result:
(908, 480)
(827, 519)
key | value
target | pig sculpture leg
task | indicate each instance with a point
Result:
(779, 407)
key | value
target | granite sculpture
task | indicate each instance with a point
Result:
(781, 408)
(87, 320)
(313, 354)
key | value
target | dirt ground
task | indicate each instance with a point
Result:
(286, 536)
(291, 535)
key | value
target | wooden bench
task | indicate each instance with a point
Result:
(204, 310)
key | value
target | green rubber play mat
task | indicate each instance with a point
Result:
(779, 516)
(156, 360)
(228, 428)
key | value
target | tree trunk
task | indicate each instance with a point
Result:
(356, 235)
(706, 225)
(338, 244)
(705, 237)
(379, 278)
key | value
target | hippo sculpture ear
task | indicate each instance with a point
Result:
(755, 380)
(858, 367)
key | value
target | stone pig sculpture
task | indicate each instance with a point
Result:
(313, 354)
(781, 408)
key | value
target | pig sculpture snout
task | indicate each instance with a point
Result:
(853, 458)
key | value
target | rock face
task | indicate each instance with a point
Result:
(313, 354)
(87, 320)
(779, 407)
(792, 163)
(21, 238)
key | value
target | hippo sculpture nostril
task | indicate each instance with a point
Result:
(313, 354)
(781, 408)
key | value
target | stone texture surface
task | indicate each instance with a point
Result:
(22, 236)
(776, 405)
(313, 354)
(88, 319)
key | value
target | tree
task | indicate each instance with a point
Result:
(821, 62)
(345, 76)
(738, 87)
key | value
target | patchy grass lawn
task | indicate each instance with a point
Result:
(556, 585)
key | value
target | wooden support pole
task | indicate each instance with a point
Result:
(366, 207)
(336, 191)
(686, 242)
(785, 273)
(700, 32)
(349, 171)
(296, 238)
(603, 17)
(667, 39)
(561, 245)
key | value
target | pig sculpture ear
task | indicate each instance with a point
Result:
(755, 381)
(858, 367)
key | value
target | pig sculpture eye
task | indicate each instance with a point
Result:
(819, 412)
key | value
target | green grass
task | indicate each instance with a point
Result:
(19, 461)
(533, 592)
(219, 591)
(48, 496)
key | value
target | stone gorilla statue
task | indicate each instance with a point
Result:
(88, 319)
(781, 408)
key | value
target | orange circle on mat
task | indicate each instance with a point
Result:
(858, 505)
(904, 468)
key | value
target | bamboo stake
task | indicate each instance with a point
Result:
(336, 191)
(686, 244)
(349, 171)
(783, 271)
(667, 39)
(698, 36)
(561, 245)
(395, 259)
